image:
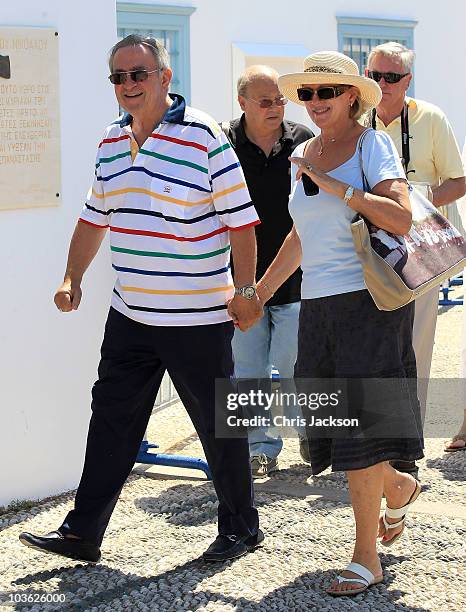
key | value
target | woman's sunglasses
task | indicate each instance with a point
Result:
(117, 78)
(305, 94)
(388, 77)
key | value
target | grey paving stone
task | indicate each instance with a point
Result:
(162, 524)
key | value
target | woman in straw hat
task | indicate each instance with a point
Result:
(341, 333)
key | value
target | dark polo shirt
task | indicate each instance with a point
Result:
(269, 183)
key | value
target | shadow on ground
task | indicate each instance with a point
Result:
(452, 465)
(175, 589)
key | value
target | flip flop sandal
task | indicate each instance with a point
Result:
(367, 579)
(399, 513)
(461, 436)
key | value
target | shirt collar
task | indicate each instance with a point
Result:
(287, 135)
(411, 102)
(175, 114)
(241, 137)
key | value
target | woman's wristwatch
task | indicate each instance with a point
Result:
(348, 194)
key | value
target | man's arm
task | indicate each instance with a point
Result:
(84, 246)
(449, 191)
(243, 246)
(232, 202)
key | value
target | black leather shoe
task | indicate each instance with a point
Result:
(55, 542)
(225, 547)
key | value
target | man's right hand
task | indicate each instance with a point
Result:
(67, 297)
(84, 245)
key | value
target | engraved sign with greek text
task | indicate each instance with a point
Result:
(29, 118)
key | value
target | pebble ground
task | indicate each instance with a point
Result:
(166, 518)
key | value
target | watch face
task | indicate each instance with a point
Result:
(249, 292)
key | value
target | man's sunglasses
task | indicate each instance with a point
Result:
(267, 103)
(305, 94)
(388, 77)
(117, 78)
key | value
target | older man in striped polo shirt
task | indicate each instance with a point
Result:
(170, 190)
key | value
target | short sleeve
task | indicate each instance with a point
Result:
(93, 212)
(230, 194)
(446, 153)
(380, 159)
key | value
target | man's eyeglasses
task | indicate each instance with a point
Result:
(388, 77)
(305, 94)
(267, 103)
(117, 78)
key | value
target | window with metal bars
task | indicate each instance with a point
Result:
(357, 36)
(170, 26)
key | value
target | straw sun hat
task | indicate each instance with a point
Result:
(330, 68)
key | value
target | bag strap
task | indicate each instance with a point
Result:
(365, 182)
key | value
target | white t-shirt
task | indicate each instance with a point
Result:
(330, 264)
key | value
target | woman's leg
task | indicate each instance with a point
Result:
(365, 486)
(398, 488)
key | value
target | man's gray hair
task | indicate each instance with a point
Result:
(394, 51)
(242, 85)
(133, 40)
(253, 73)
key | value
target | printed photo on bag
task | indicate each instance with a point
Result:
(430, 247)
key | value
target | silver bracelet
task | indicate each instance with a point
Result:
(268, 289)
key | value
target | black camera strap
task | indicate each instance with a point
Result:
(405, 154)
(405, 139)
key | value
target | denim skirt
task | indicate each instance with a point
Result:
(346, 337)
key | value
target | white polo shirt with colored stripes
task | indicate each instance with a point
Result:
(170, 206)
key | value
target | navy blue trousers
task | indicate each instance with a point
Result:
(134, 358)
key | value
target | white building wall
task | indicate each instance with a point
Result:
(216, 24)
(47, 359)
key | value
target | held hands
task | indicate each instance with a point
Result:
(245, 313)
(67, 297)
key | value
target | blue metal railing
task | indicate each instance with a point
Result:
(445, 289)
(178, 461)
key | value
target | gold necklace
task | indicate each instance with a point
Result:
(321, 150)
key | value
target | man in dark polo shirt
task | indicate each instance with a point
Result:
(263, 141)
